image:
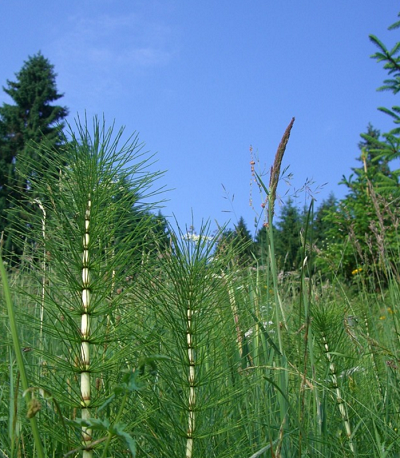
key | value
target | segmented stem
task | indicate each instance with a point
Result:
(85, 335)
(191, 379)
(339, 399)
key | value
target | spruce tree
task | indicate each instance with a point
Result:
(27, 126)
(353, 226)
(238, 240)
(348, 224)
(261, 245)
(243, 239)
(288, 242)
(363, 227)
(388, 149)
(322, 227)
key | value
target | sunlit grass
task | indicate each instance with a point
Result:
(191, 354)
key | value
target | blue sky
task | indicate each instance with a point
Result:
(202, 81)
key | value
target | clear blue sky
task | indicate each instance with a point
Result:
(202, 81)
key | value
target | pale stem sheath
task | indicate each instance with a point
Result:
(191, 380)
(85, 335)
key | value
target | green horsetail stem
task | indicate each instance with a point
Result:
(85, 335)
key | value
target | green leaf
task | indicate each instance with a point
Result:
(130, 382)
(262, 183)
(118, 430)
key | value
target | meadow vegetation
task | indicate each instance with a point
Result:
(122, 337)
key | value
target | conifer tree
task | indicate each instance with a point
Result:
(352, 225)
(374, 169)
(240, 241)
(26, 126)
(288, 242)
(388, 149)
(363, 226)
(261, 245)
(321, 226)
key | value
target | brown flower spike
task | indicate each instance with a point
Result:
(276, 168)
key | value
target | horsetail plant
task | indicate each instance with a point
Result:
(183, 355)
(97, 228)
(329, 330)
(194, 399)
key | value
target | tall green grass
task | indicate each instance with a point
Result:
(187, 354)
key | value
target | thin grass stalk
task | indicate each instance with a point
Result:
(271, 192)
(280, 315)
(271, 196)
(20, 362)
(274, 271)
(43, 275)
(13, 405)
(304, 314)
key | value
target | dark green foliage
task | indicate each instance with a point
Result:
(154, 238)
(26, 127)
(93, 246)
(161, 232)
(321, 225)
(363, 227)
(389, 148)
(350, 232)
(261, 245)
(238, 240)
(186, 304)
(391, 59)
(193, 352)
(287, 240)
